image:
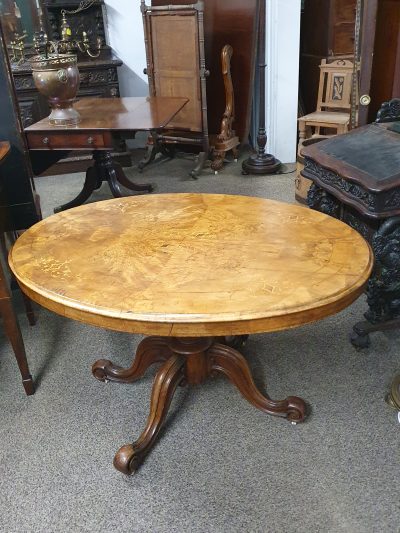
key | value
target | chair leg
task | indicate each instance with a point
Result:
(13, 333)
(302, 132)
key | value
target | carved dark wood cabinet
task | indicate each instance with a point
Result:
(356, 178)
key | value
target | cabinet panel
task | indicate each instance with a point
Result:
(343, 39)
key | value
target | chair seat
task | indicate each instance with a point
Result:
(327, 116)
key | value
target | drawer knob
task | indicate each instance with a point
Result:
(90, 140)
(45, 140)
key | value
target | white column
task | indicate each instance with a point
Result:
(126, 38)
(282, 77)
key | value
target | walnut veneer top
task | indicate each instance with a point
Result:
(120, 114)
(4, 149)
(192, 264)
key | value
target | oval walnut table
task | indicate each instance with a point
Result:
(193, 271)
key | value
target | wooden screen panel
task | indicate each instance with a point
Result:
(231, 22)
(175, 59)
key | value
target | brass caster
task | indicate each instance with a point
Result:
(235, 160)
(215, 172)
(293, 423)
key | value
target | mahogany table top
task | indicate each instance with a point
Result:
(192, 264)
(119, 114)
(4, 149)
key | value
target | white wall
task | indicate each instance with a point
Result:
(125, 34)
(282, 77)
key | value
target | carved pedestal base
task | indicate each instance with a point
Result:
(186, 361)
(104, 169)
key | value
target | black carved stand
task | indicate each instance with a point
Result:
(104, 169)
(383, 289)
(260, 162)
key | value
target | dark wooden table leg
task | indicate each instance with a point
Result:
(13, 333)
(113, 173)
(201, 161)
(151, 350)
(170, 375)
(152, 150)
(233, 365)
(92, 182)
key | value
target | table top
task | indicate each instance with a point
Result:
(119, 114)
(192, 264)
(369, 156)
(4, 149)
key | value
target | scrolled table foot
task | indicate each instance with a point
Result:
(126, 460)
(151, 350)
(233, 365)
(169, 376)
(296, 409)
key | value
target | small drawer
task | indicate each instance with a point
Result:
(65, 141)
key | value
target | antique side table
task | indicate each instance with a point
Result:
(356, 178)
(104, 122)
(191, 270)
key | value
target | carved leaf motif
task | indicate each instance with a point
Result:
(338, 83)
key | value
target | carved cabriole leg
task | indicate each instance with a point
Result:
(233, 365)
(170, 375)
(151, 350)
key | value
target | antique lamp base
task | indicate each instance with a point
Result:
(261, 164)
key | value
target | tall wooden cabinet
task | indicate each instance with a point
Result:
(327, 30)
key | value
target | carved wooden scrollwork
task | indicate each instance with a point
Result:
(389, 111)
(226, 140)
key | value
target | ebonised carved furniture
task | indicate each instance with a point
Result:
(356, 178)
(273, 266)
(104, 121)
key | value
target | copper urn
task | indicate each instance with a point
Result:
(57, 78)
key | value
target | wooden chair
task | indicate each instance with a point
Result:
(333, 106)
